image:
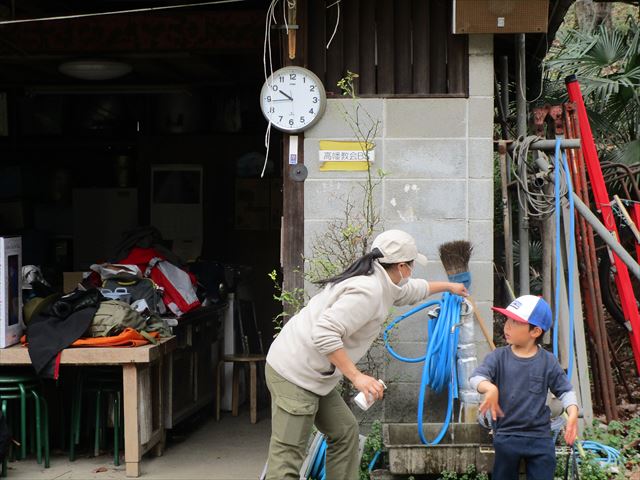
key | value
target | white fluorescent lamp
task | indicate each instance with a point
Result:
(95, 69)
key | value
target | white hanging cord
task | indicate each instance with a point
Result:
(117, 12)
(267, 142)
(266, 52)
(335, 29)
(267, 58)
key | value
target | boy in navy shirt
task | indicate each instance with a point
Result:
(515, 380)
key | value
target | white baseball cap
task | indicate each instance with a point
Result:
(397, 246)
(528, 309)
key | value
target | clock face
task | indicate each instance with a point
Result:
(293, 99)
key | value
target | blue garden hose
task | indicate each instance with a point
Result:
(572, 249)
(604, 454)
(440, 358)
(318, 471)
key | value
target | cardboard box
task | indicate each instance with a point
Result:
(11, 325)
(70, 280)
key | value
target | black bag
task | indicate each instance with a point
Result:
(140, 289)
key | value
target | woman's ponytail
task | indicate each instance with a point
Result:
(362, 266)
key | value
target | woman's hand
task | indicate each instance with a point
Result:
(371, 387)
(458, 289)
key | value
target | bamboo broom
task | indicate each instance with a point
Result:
(455, 259)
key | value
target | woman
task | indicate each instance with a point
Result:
(324, 341)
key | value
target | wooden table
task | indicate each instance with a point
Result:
(143, 404)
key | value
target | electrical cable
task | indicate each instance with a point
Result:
(533, 200)
(439, 368)
(117, 12)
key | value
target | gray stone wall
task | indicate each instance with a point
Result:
(437, 154)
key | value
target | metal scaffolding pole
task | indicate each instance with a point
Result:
(521, 107)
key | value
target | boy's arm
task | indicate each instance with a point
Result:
(561, 387)
(482, 380)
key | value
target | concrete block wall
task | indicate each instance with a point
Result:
(437, 154)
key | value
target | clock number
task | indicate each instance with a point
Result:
(280, 117)
(272, 109)
(291, 122)
(281, 78)
(301, 119)
(311, 111)
(274, 88)
(304, 79)
(268, 98)
(312, 88)
(292, 76)
(315, 99)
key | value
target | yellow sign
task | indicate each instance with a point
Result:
(345, 156)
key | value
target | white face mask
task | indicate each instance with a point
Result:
(404, 280)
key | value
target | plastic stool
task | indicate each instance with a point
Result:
(21, 387)
(99, 383)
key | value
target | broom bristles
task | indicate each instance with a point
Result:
(455, 256)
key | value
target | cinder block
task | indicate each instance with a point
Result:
(481, 235)
(481, 74)
(481, 44)
(429, 235)
(481, 117)
(412, 329)
(425, 158)
(403, 372)
(411, 201)
(312, 161)
(334, 124)
(481, 158)
(326, 199)
(426, 118)
(482, 281)
(402, 404)
(481, 199)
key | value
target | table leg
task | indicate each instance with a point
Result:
(131, 395)
(253, 393)
(235, 393)
(219, 380)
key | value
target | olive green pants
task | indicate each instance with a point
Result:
(294, 411)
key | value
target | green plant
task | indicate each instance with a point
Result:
(607, 63)
(295, 299)
(471, 473)
(372, 444)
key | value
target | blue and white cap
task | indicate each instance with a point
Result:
(528, 309)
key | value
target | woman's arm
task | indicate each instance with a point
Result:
(363, 383)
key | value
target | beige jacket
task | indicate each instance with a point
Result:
(347, 315)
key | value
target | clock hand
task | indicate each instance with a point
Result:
(289, 97)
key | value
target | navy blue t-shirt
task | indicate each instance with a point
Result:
(523, 384)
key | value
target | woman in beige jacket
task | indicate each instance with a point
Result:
(325, 341)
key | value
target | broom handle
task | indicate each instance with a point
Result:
(483, 327)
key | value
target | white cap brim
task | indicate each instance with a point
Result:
(421, 260)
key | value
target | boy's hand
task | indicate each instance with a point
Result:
(571, 430)
(491, 396)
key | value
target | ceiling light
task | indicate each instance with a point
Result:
(95, 69)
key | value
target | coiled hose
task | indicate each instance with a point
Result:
(439, 368)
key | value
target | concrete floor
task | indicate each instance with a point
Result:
(232, 449)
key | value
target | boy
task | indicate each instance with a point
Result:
(515, 380)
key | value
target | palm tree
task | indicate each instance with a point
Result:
(607, 64)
